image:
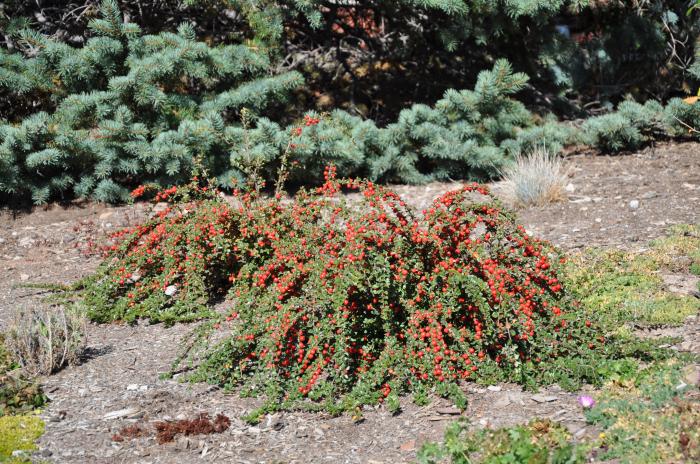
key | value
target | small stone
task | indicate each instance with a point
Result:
(502, 402)
(45, 453)
(126, 412)
(543, 398)
(26, 242)
(182, 443)
(571, 188)
(493, 388)
(449, 411)
(584, 199)
(24, 277)
(275, 423)
(58, 417)
(634, 204)
(691, 375)
(598, 220)
(408, 446)
(170, 290)
(132, 387)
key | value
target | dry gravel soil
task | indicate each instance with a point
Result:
(118, 382)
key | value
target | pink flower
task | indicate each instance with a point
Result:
(586, 401)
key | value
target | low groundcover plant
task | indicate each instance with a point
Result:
(346, 303)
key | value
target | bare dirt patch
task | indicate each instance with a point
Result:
(616, 202)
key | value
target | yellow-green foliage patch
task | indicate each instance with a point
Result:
(540, 441)
(650, 419)
(18, 433)
(622, 287)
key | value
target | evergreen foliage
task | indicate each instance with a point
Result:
(634, 125)
(126, 108)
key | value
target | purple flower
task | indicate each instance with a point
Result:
(586, 401)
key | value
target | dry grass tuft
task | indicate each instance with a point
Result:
(535, 179)
(42, 341)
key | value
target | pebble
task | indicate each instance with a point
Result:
(448, 411)
(634, 204)
(126, 412)
(26, 242)
(692, 375)
(493, 388)
(171, 290)
(408, 446)
(275, 423)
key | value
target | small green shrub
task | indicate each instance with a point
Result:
(42, 341)
(540, 441)
(17, 393)
(345, 303)
(630, 127)
(536, 179)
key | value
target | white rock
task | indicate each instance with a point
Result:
(126, 412)
(634, 204)
(26, 242)
(171, 290)
(493, 388)
(571, 188)
(24, 277)
(132, 387)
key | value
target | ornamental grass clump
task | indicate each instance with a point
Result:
(342, 302)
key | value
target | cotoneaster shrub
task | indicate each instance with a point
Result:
(346, 303)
